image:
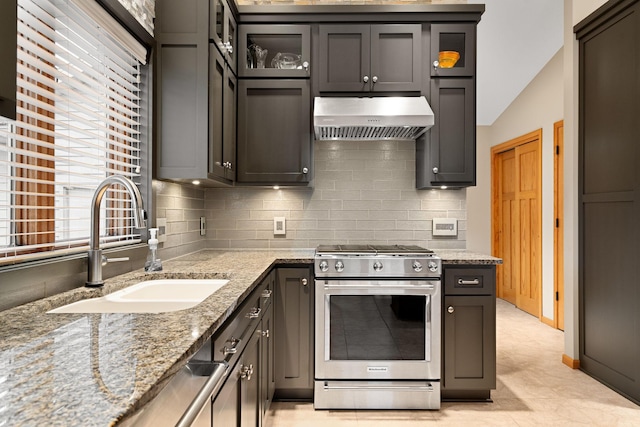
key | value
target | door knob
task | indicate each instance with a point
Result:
(450, 309)
(365, 79)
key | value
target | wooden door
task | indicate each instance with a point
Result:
(516, 222)
(506, 279)
(558, 236)
(528, 225)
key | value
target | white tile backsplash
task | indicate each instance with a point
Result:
(362, 192)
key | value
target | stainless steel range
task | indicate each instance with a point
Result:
(378, 327)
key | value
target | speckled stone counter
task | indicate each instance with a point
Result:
(456, 256)
(95, 369)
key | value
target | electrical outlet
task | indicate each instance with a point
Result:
(279, 226)
(203, 226)
(161, 224)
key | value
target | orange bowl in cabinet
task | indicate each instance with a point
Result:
(448, 58)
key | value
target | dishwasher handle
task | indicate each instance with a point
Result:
(211, 387)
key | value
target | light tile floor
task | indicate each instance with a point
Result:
(534, 388)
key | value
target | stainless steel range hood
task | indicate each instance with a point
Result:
(367, 119)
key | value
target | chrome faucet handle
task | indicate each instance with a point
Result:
(106, 260)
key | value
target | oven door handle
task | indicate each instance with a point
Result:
(386, 286)
(377, 387)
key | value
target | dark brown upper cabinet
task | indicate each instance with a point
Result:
(274, 131)
(288, 51)
(370, 58)
(223, 31)
(446, 155)
(222, 118)
(8, 43)
(455, 37)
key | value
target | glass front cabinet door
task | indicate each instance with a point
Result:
(453, 50)
(274, 51)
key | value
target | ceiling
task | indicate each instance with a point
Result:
(516, 39)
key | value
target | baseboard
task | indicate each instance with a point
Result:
(547, 321)
(572, 363)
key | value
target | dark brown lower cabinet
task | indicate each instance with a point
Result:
(237, 402)
(294, 334)
(469, 332)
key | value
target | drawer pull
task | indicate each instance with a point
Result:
(266, 293)
(233, 349)
(468, 282)
(254, 313)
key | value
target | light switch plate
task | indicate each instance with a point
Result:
(279, 226)
(445, 227)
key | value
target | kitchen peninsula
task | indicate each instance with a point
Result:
(98, 369)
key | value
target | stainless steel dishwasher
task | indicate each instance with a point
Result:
(189, 398)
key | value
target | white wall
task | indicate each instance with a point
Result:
(574, 12)
(539, 105)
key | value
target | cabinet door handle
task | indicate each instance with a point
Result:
(266, 293)
(375, 79)
(305, 65)
(305, 170)
(265, 333)
(365, 79)
(468, 282)
(304, 281)
(450, 309)
(436, 64)
(246, 372)
(435, 170)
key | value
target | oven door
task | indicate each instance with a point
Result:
(377, 329)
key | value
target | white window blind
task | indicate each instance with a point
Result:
(78, 121)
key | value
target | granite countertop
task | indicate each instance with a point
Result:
(457, 256)
(97, 369)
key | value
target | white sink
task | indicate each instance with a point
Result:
(150, 296)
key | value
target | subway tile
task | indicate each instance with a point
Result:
(362, 205)
(268, 214)
(254, 224)
(296, 224)
(283, 204)
(426, 215)
(413, 225)
(310, 214)
(336, 225)
(393, 235)
(379, 214)
(380, 195)
(445, 205)
(235, 234)
(340, 194)
(376, 225)
(350, 214)
(401, 204)
(314, 234)
(175, 215)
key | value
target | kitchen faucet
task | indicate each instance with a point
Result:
(96, 259)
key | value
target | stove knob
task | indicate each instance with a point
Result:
(432, 266)
(339, 266)
(377, 266)
(417, 266)
(324, 266)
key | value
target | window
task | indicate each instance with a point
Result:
(78, 121)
